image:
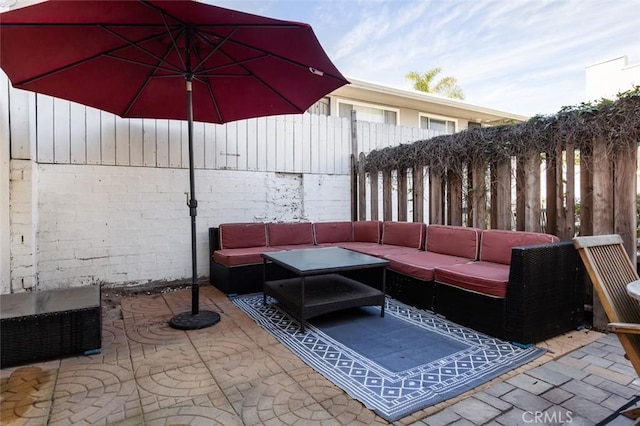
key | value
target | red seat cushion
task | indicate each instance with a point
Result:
(407, 234)
(239, 235)
(333, 232)
(285, 234)
(486, 278)
(421, 264)
(367, 231)
(458, 241)
(496, 245)
(240, 256)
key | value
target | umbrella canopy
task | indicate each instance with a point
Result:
(132, 58)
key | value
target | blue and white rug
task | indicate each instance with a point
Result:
(396, 365)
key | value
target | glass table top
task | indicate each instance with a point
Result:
(321, 260)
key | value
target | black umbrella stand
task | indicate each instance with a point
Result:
(196, 319)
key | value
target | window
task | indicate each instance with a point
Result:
(368, 112)
(442, 125)
(322, 107)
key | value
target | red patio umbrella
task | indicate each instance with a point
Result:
(132, 58)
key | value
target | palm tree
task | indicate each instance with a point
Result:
(447, 86)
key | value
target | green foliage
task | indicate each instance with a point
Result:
(447, 86)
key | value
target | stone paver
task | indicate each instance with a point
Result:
(557, 395)
(548, 375)
(476, 411)
(236, 373)
(530, 384)
(585, 390)
(567, 367)
(442, 418)
(526, 401)
(586, 408)
(499, 389)
(492, 400)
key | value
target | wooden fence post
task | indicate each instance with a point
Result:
(552, 160)
(532, 192)
(386, 196)
(625, 199)
(603, 201)
(479, 196)
(501, 215)
(469, 192)
(373, 185)
(418, 193)
(435, 198)
(403, 199)
(455, 198)
(520, 194)
(586, 192)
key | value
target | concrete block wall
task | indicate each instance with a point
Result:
(76, 225)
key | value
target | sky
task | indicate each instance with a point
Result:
(525, 57)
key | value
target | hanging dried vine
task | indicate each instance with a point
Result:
(616, 123)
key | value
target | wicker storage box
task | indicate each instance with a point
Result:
(36, 326)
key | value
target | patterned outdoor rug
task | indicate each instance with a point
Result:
(396, 365)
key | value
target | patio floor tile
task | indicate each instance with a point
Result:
(586, 408)
(585, 390)
(236, 373)
(92, 398)
(26, 395)
(526, 401)
(238, 368)
(476, 411)
(531, 384)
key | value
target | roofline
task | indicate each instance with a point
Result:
(433, 98)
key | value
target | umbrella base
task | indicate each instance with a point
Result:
(188, 321)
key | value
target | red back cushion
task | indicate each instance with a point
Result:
(333, 232)
(495, 245)
(282, 234)
(406, 234)
(366, 231)
(242, 235)
(453, 240)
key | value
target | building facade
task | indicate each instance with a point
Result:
(608, 78)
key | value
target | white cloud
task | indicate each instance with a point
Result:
(522, 56)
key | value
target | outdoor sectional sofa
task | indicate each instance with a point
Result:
(518, 286)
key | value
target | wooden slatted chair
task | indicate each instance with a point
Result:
(610, 270)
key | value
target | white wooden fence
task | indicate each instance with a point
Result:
(68, 133)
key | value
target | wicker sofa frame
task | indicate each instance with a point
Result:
(543, 297)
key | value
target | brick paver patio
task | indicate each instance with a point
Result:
(235, 373)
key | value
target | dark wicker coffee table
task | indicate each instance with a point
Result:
(45, 324)
(317, 287)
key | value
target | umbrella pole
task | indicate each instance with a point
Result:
(195, 319)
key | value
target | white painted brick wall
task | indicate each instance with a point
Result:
(327, 197)
(131, 225)
(23, 225)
